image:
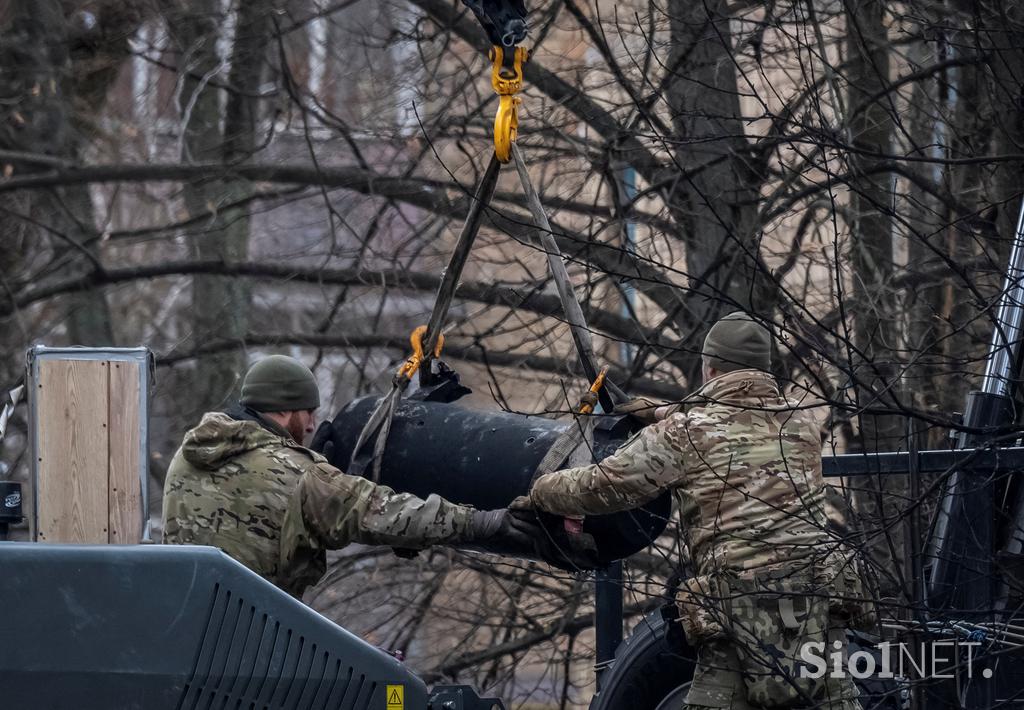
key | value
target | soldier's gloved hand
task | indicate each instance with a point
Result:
(322, 439)
(327, 451)
(513, 529)
(573, 552)
(559, 545)
(640, 408)
(521, 503)
(674, 633)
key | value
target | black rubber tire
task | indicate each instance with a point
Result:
(650, 670)
(877, 693)
(674, 700)
(646, 669)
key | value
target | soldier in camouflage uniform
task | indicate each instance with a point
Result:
(745, 466)
(243, 482)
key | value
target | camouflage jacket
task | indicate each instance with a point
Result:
(744, 464)
(245, 486)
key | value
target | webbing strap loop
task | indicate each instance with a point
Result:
(426, 340)
(507, 81)
(453, 272)
(570, 306)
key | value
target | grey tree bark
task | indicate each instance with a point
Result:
(42, 119)
(713, 198)
(211, 133)
(875, 363)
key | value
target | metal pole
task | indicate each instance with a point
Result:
(914, 522)
(608, 614)
(913, 552)
(964, 517)
(627, 193)
(962, 572)
(999, 372)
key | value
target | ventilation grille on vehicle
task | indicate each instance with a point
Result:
(247, 659)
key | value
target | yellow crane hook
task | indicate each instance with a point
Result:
(507, 80)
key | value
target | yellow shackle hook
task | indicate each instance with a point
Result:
(507, 80)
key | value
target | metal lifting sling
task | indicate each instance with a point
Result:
(427, 341)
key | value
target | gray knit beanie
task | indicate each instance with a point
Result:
(738, 342)
(280, 384)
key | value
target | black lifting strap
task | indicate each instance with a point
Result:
(570, 306)
(379, 422)
(453, 272)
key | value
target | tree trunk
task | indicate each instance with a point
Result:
(1004, 42)
(925, 215)
(715, 203)
(875, 333)
(37, 71)
(221, 305)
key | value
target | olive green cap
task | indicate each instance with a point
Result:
(738, 342)
(280, 384)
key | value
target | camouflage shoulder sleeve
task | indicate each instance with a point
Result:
(642, 468)
(337, 509)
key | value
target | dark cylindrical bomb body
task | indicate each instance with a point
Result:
(486, 459)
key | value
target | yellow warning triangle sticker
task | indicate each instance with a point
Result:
(395, 697)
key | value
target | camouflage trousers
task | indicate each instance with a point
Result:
(718, 683)
(756, 629)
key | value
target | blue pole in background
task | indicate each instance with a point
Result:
(608, 599)
(627, 192)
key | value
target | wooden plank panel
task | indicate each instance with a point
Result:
(72, 450)
(125, 500)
